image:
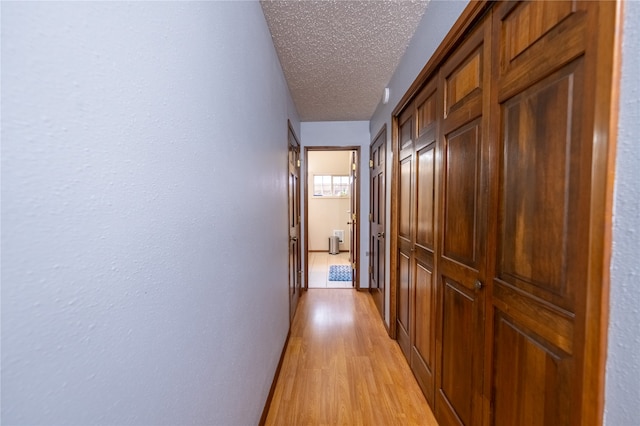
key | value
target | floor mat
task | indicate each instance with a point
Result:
(339, 273)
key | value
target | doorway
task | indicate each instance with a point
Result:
(331, 217)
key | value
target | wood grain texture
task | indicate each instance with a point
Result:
(463, 81)
(377, 218)
(525, 112)
(424, 285)
(340, 367)
(528, 23)
(461, 260)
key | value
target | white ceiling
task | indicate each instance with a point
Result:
(338, 55)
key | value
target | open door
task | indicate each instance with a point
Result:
(353, 223)
(295, 269)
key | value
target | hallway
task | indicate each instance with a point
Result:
(149, 248)
(341, 367)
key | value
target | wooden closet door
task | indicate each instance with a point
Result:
(405, 231)
(464, 80)
(377, 218)
(423, 282)
(542, 52)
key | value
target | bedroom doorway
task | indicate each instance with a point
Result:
(331, 217)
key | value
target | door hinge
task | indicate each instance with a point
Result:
(370, 217)
(298, 163)
(371, 164)
(353, 217)
(353, 265)
(353, 166)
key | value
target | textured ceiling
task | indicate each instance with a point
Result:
(338, 55)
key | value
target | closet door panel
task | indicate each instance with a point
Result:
(425, 199)
(540, 262)
(459, 324)
(460, 230)
(405, 233)
(462, 233)
(543, 203)
(404, 303)
(541, 186)
(424, 310)
(530, 365)
(536, 38)
(463, 83)
(528, 22)
(406, 171)
(424, 325)
(423, 344)
(404, 257)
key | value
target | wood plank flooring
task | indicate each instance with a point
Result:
(341, 368)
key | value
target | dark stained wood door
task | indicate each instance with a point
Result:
(295, 251)
(424, 294)
(353, 223)
(416, 283)
(377, 214)
(465, 78)
(541, 268)
(502, 213)
(404, 255)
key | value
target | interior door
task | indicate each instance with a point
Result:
(295, 252)
(542, 235)
(377, 212)
(424, 295)
(404, 303)
(353, 223)
(461, 257)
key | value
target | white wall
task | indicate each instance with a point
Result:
(622, 395)
(432, 29)
(327, 214)
(138, 142)
(346, 133)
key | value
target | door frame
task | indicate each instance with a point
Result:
(305, 165)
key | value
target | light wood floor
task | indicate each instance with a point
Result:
(319, 269)
(341, 368)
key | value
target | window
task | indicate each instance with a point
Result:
(330, 186)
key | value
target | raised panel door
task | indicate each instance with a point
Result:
(377, 212)
(405, 231)
(462, 216)
(542, 223)
(424, 283)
